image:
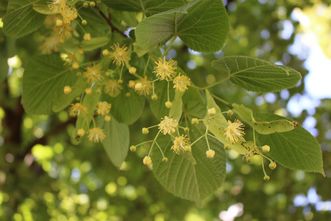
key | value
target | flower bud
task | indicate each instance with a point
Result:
(145, 130)
(87, 37)
(154, 97)
(272, 165)
(67, 90)
(265, 148)
(133, 148)
(195, 121)
(58, 22)
(88, 90)
(75, 65)
(210, 154)
(138, 86)
(105, 52)
(147, 161)
(212, 111)
(132, 70)
(168, 104)
(81, 132)
(132, 84)
(107, 118)
(92, 4)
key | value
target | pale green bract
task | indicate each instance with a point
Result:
(263, 127)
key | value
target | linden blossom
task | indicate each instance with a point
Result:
(120, 55)
(168, 125)
(181, 83)
(234, 132)
(112, 87)
(96, 135)
(103, 108)
(76, 109)
(165, 69)
(143, 87)
(92, 74)
(67, 12)
(181, 144)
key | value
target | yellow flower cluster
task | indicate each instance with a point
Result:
(181, 83)
(103, 108)
(165, 69)
(168, 125)
(234, 132)
(62, 29)
(143, 87)
(120, 55)
(181, 144)
(96, 135)
(92, 74)
(50, 44)
(112, 87)
(67, 12)
(76, 109)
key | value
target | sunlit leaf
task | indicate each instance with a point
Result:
(202, 25)
(257, 75)
(191, 180)
(117, 141)
(21, 19)
(296, 149)
(43, 83)
(127, 108)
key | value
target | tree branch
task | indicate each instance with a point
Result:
(108, 20)
(43, 140)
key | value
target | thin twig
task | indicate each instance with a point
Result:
(108, 20)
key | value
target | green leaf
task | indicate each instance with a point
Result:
(194, 103)
(177, 106)
(3, 8)
(187, 179)
(117, 141)
(205, 27)
(128, 109)
(95, 43)
(148, 7)
(296, 149)
(257, 75)
(153, 31)
(202, 25)
(43, 8)
(263, 127)
(158, 107)
(43, 82)
(96, 25)
(63, 100)
(21, 19)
